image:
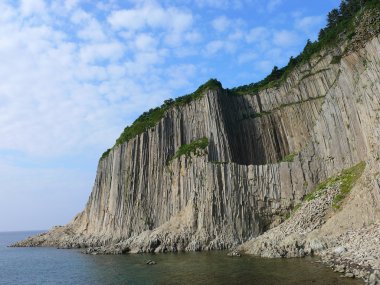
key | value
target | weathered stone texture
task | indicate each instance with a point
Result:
(327, 114)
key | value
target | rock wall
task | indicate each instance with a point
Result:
(326, 114)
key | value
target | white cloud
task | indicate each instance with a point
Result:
(61, 95)
(92, 31)
(29, 7)
(221, 23)
(128, 19)
(192, 37)
(71, 4)
(309, 23)
(152, 16)
(214, 3)
(247, 57)
(217, 46)
(145, 42)
(101, 51)
(265, 66)
(175, 23)
(285, 38)
(257, 34)
(80, 17)
(273, 4)
(179, 75)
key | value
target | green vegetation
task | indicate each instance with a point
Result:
(150, 118)
(341, 24)
(265, 113)
(195, 147)
(105, 154)
(346, 180)
(290, 157)
(291, 213)
(153, 116)
(272, 80)
(336, 59)
(321, 188)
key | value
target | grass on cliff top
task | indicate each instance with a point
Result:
(105, 154)
(341, 25)
(346, 179)
(194, 147)
(150, 118)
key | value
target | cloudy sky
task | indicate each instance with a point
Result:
(74, 73)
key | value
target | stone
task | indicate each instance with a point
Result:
(340, 268)
(374, 278)
(234, 254)
(349, 275)
(340, 250)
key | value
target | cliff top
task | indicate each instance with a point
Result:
(355, 21)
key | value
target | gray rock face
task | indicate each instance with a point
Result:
(374, 278)
(292, 238)
(142, 201)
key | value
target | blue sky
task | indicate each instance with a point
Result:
(74, 73)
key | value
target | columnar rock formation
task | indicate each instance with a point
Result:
(323, 118)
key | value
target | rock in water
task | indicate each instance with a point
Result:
(234, 254)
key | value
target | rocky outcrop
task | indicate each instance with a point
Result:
(290, 239)
(322, 119)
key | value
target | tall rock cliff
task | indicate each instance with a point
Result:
(265, 152)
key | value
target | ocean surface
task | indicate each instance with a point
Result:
(64, 266)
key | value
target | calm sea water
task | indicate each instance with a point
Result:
(59, 266)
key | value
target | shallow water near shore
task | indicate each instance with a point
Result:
(53, 266)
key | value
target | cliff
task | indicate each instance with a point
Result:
(265, 153)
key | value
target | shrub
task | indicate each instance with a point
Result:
(194, 147)
(340, 25)
(290, 157)
(346, 179)
(105, 154)
(153, 116)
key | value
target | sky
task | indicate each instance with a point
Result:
(75, 73)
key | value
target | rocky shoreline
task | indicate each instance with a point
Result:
(355, 253)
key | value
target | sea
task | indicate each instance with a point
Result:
(69, 266)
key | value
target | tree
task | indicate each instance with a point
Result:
(168, 102)
(307, 46)
(292, 61)
(321, 34)
(344, 9)
(333, 18)
(349, 8)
